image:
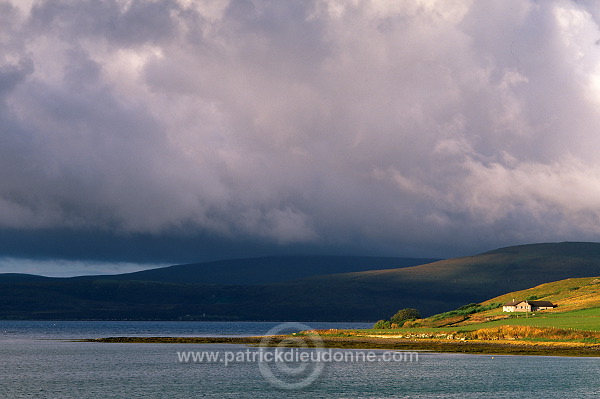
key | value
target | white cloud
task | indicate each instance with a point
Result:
(567, 189)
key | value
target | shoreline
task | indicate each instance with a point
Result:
(476, 347)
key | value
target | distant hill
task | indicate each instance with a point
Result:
(250, 271)
(264, 270)
(447, 284)
(362, 296)
(21, 277)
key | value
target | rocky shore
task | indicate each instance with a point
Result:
(491, 347)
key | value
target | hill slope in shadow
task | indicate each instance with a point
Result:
(264, 270)
(361, 296)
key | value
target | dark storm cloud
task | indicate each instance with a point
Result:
(430, 128)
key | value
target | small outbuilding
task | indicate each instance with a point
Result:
(527, 306)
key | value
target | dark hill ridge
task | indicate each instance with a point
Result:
(251, 271)
(265, 270)
(561, 249)
(512, 265)
(21, 277)
(459, 281)
(362, 296)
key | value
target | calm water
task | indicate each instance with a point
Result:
(17, 330)
(36, 365)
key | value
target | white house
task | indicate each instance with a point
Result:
(527, 306)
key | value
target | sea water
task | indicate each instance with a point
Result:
(38, 360)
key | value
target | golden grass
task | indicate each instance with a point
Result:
(569, 294)
(507, 335)
(521, 332)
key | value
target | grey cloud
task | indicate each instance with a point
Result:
(123, 23)
(12, 75)
(434, 128)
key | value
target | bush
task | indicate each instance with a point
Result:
(466, 310)
(405, 314)
(469, 306)
(382, 324)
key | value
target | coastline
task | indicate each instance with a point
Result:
(479, 347)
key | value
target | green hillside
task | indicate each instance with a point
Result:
(577, 300)
(577, 303)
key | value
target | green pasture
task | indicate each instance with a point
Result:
(585, 319)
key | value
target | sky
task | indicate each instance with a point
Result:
(142, 133)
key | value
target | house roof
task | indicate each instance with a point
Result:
(539, 304)
(512, 303)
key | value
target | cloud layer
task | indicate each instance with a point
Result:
(429, 128)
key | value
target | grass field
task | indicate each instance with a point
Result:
(584, 319)
(576, 319)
